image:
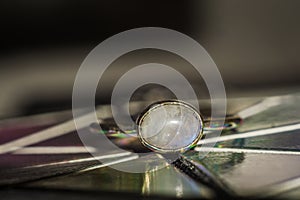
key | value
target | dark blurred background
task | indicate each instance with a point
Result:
(255, 44)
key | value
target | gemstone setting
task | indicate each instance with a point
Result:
(170, 126)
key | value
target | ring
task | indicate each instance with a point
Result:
(170, 126)
(165, 127)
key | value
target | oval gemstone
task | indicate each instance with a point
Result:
(170, 126)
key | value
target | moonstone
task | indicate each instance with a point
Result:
(170, 126)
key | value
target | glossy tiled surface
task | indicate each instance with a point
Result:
(265, 165)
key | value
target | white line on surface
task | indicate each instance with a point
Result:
(110, 163)
(236, 150)
(46, 134)
(115, 155)
(55, 150)
(249, 134)
(260, 107)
